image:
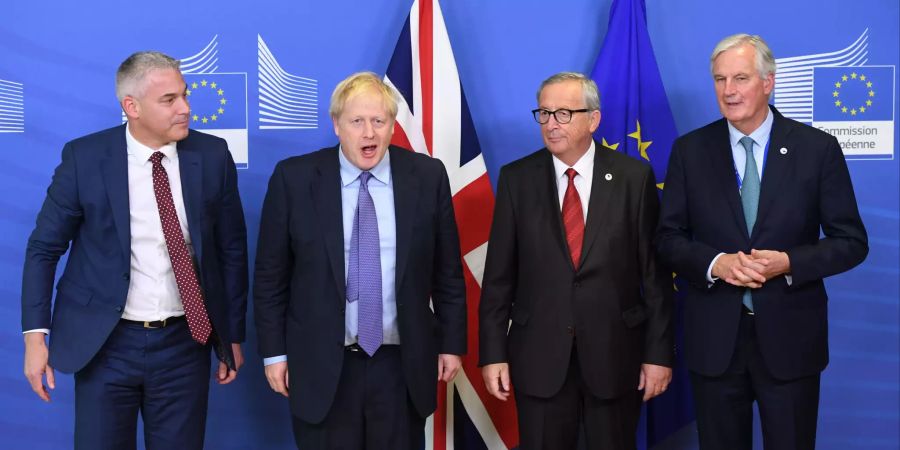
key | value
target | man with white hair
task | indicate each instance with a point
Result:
(744, 201)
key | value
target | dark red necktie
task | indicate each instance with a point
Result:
(573, 219)
(182, 264)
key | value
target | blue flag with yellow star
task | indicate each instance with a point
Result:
(863, 93)
(219, 107)
(636, 120)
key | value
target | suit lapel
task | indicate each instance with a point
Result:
(725, 178)
(115, 177)
(546, 193)
(777, 166)
(190, 164)
(326, 197)
(601, 191)
(406, 198)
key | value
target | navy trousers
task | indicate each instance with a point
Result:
(161, 373)
(788, 409)
(371, 408)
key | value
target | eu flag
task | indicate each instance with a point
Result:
(861, 93)
(636, 120)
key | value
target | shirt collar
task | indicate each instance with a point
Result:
(142, 153)
(350, 173)
(760, 135)
(584, 166)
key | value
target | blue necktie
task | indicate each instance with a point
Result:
(749, 199)
(364, 272)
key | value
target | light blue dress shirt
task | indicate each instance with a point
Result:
(381, 188)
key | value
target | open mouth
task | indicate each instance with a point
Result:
(369, 150)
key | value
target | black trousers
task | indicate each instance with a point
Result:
(553, 423)
(371, 410)
(788, 409)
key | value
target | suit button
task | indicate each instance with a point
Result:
(343, 310)
(126, 276)
(118, 309)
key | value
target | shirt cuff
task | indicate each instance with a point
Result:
(274, 359)
(709, 275)
(789, 279)
(37, 330)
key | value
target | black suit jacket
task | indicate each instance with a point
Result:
(87, 206)
(805, 187)
(615, 309)
(299, 286)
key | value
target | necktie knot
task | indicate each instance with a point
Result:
(364, 178)
(747, 142)
(156, 157)
(570, 172)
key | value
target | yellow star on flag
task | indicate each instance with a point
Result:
(642, 146)
(213, 85)
(203, 83)
(607, 145)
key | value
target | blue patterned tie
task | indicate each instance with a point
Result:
(749, 199)
(364, 274)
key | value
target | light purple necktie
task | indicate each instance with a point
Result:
(364, 272)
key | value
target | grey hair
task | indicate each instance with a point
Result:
(765, 61)
(130, 76)
(588, 87)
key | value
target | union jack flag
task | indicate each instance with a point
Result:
(433, 118)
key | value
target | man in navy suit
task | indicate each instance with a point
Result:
(156, 274)
(357, 243)
(744, 202)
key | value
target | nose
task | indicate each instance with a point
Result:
(368, 129)
(183, 106)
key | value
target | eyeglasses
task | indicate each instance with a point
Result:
(561, 115)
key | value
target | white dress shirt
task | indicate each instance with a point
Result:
(152, 291)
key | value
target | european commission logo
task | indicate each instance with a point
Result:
(218, 100)
(856, 105)
(837, 92)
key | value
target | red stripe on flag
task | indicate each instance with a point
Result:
(474, 207)
(440, 418)
(399, 139)
(503, 414)
(426, 68)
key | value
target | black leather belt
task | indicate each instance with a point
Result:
(354, 348)
(155, 323)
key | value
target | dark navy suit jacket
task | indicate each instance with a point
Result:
(805, 188)
(299, 286)
(87, 206)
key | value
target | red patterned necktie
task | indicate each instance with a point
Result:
(573, 219)
(182, 264)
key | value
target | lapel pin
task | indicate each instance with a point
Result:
(783, 151)
(608, 177)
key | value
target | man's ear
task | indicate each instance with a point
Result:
(131, 107)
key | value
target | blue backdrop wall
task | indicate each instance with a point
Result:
(57, 65)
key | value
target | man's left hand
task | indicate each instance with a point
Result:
(654, 380)
(448, 366)
(776, 263)
(225, 375)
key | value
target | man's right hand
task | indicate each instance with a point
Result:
(277, 374)
(36, 365)
(740, 270)
(496, 379)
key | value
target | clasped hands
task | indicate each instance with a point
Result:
(751, 270)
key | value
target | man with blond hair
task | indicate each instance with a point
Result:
(356, 243)
(746, 197)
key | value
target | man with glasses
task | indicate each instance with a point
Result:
(571, 265)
